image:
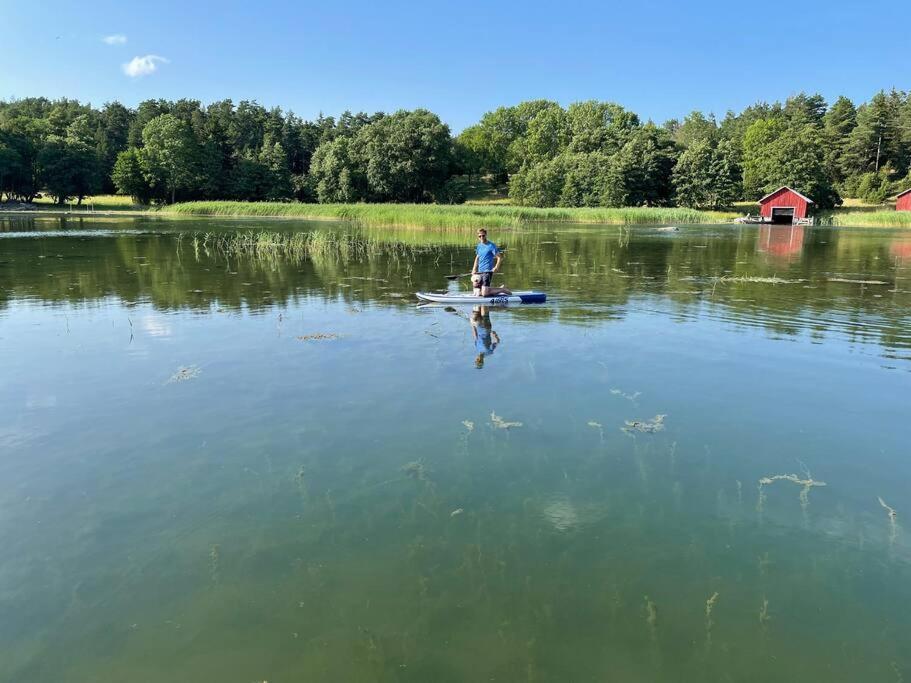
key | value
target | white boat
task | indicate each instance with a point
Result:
(529, 297)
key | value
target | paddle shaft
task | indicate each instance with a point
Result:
(457, 276)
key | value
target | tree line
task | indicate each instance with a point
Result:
(587, 154)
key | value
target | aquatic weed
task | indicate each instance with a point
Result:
(500, 423)
(893, 524)
(806, 485)
(214, 561)
(656, 424)
(599, 427)
(416, 470)
(709, 606)
(651, 616)
(318, 336)
(629, 397)
(764, 613)
(184, 373)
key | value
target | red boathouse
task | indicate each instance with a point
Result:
(903, 203)
(784, 206)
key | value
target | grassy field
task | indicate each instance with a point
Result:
(484, 191)
(444, 216)
(102, 202)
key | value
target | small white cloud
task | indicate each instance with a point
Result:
(116, 39)
(143, 66)
(156, 326)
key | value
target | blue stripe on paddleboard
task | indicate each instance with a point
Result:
(536, 298)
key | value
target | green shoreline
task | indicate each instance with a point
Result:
(449, 216)
(469, 215)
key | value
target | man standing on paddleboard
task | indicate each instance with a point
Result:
(486, 263)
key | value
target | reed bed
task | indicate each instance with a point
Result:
(448, 216)
(267, 245)
(866, 219)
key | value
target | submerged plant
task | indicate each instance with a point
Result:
(774, 280)
(764, 563)
(806, 485)
(599, 427)
(709, 606)
(656, 424)
(651, 616)
(889, 510)
(184, 373)
(629, 397)
(764, 612)
(893, 523)
(500, 423)
(301, 479)
(318, 336)
(214, 558)
(561, 515)
(857, 282)
(416, 470)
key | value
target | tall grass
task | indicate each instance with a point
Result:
(318, 244)
(444, 216)
(866, 219)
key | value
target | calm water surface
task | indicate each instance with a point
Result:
(193, 487)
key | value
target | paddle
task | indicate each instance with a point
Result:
(457, 276)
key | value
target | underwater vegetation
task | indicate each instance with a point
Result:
(500, 423)
(184, 374)
(416, 470)
(805, 484)
(318, 336)
(656, 424)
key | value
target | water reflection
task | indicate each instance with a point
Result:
(789, 280)
(486, 340)
(782, 242)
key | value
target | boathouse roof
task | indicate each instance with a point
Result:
(789, 189)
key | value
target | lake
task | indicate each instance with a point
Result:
(236, 464)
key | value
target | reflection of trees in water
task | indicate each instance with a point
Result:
(590, 274)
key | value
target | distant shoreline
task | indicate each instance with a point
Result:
(457, 216)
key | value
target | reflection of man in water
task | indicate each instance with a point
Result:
(485, 339)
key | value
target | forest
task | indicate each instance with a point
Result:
(588, 154)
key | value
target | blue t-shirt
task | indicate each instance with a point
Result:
(484, 344)
(486, 254)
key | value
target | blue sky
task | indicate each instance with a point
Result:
(660, 59)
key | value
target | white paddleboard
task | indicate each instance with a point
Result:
(457, 298)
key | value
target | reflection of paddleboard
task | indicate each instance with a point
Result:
(514, 298)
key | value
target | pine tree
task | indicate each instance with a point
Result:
(838, 124)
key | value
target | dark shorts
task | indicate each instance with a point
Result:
(485, 279)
